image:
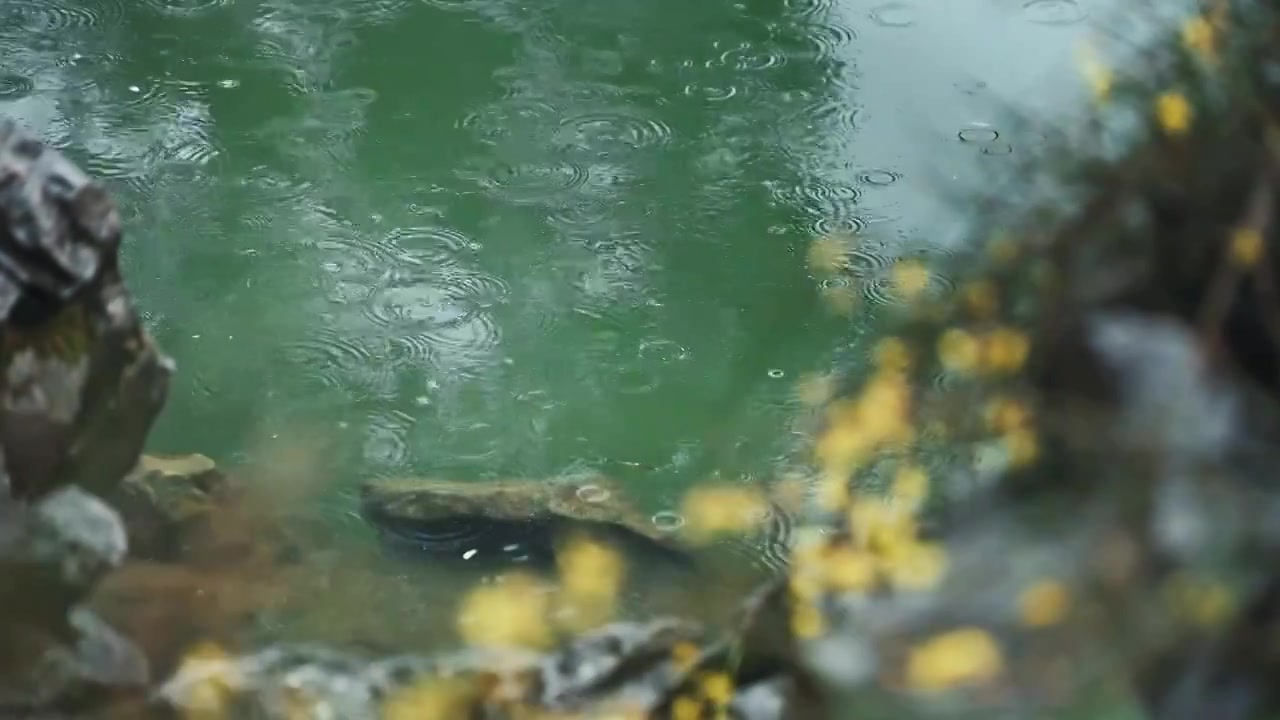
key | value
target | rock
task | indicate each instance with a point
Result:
(448, 518)
(163, 498)
(51, 555)
(97, 666)
(82, 381)
(627, 665)
(80, 384)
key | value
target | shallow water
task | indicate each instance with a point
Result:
(486, 238)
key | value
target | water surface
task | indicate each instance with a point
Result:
(487, 238)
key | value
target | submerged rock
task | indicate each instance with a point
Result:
(518, 520)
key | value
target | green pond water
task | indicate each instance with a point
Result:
(491, 238)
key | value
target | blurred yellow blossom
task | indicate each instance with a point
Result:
(914, 565)
(980, 298)
(827, 254)
(1097, 74)
(959, 351)
(686, 708)
(591, 576)
(684, 654)
(807, 621)
(1201, 601)
(1246, 247)
(717, 687)
(209, 697)
(1022, 446)
(910, 278)
(847, 569)
(858, 426)
(512, 612)
(1004, 414)
(1044, 603)
(432, 699)
(1199, 37)
(1005, 350)
(1173, 110)
(892, 354)
(880, 526)
(712, 510)
(961, 657)
(910, 486)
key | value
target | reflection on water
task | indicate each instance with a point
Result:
(489, 238)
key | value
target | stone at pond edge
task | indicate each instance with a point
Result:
(164, 496)
(449, 516)
(80, 379)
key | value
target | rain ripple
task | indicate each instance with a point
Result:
(14, 86)
(529, 183)
(808, 8)
(58, 15)
(386, 445)
(880, 289)
(609, 131)
(894, 14)
(1054, 12)
(185, 8)
(501, 119)
(329, 358)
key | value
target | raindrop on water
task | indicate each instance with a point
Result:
(894, 14)
(592, 494)
(776, 373)
(667, 520)
(1054, 12)
(978, 134)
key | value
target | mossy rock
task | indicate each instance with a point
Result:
(510, 520)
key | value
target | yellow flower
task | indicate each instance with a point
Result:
(959, 351)
(980, 298)
(510, 613)
(807, 621)
(209, 698)
(846, 569)
(910, 278)
(1198, 36)
(431, 699)
(1005, 415)
(713, 510)
(961, 657)
(591, 576)
(1096, 74)
(1005, 350)
(686, 708)
(684, 654)
(1247, 247)
(915, 565)
(1202, 601)
(910, 486)
(718, 688)
(1174, 112)
(879, 526)
(891, 354)
(1002, 247)
(1044, 603)
(833, 490)
(1022, 447)
(827, 254)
